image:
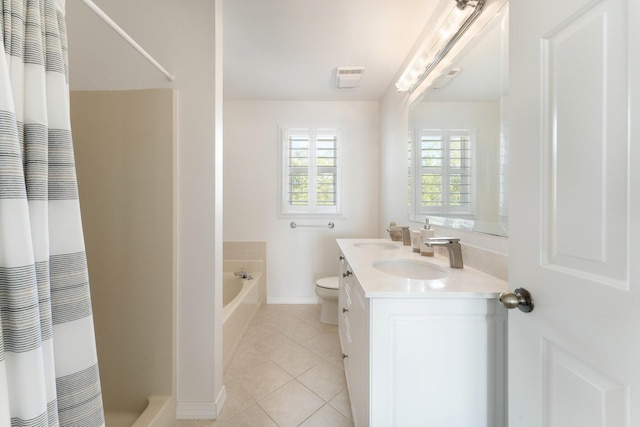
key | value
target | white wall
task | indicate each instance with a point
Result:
(297, 257)
(185, 37)
(394, 181)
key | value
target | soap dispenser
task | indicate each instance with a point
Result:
(426, 233)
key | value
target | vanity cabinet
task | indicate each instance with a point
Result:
(419, 358)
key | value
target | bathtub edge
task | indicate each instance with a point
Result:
(160, 412)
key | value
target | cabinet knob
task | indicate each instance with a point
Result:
(348, 273)
(344, 310)
(341, 258)
(344, 356)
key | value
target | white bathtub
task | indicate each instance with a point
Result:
(241, 299)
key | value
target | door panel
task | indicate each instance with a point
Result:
(585, 136)
(579, 395)
(574, 213)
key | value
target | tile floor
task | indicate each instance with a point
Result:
(287, 371)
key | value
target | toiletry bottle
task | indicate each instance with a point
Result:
(425, 234)
(416, 240)
(406, 236)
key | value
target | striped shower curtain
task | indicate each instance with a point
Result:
(48, 364)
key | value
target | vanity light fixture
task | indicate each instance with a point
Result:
(435, 48)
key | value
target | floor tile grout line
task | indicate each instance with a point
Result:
(282, 386)
(312, 414)
(325, 403)
(271, 320)
(339, 411)
(300, 374)
(268, 415)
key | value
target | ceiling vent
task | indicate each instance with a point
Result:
(445, 79)
(349, 77)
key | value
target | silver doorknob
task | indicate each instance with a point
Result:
(520, 298)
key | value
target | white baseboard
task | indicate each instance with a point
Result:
(293, 300)
(201, 410)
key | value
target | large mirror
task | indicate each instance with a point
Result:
(458, 145)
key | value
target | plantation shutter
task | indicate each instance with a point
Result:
(459, 171)
(326, 170)
(445, 171)
(432, 173)
(310, 172)
(297, 169)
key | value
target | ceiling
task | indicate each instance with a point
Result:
(481, 68)
(290, 49)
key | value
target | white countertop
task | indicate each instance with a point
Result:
(465, 282)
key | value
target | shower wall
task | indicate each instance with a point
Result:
(125, 158)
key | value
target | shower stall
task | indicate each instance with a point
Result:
(125, 158)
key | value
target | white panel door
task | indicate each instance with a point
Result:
(575, 213)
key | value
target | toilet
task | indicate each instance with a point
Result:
(327, 289)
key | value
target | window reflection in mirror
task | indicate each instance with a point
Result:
(458, 147)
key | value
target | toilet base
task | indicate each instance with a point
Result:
(327, 290)
(329, 312)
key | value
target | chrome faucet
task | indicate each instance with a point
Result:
(453, 246)
(243, 275)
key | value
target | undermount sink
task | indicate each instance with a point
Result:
(376, 245)
(411, 269)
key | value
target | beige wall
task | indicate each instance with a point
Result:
(125, 158)
(245, 251)
(249, 251)
(186, 38)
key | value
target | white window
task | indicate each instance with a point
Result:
(310, 172)
(443, 181)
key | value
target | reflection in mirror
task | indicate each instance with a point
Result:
(458, 143)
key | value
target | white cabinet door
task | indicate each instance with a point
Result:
(437, 362)
(359, 355)
(344, 302)
(575, 212)
(354, 338)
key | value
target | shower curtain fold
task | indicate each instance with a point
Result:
(48, 364)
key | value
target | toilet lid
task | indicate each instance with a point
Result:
(328, 282)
